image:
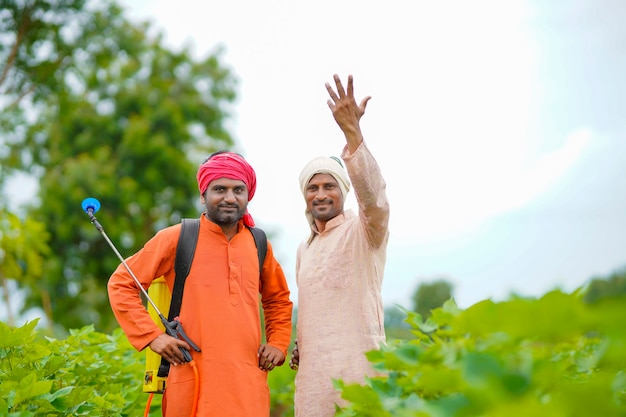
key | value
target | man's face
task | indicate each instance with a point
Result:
(225, 200)
(323, 197)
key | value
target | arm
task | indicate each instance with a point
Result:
(155, 259)
(127, 306)
(369, 185)
(370, 190)
(277, 308)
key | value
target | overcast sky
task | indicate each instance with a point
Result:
(499, 127)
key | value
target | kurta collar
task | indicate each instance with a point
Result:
(214, 227)
(331, 224)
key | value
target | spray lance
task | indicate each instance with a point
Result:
(173, 328)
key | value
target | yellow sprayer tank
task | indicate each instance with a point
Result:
(160, 294)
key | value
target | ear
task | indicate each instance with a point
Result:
(202, 199)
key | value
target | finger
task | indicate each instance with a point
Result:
(178, 356)
(172, 358)
(340, 90)
(363, 105)
(184, 345)
(268, 365)
(264, 362)
(331, 93)
(350, 89)
(364, 102)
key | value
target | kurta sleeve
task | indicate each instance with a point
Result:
(277, 306)
(154, 260)
(370, 190)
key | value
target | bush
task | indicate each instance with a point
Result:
(88, 373)
(554, 356)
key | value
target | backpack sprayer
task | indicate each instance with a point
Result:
(153, 383)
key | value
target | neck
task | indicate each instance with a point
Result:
(229, 230)
(320, 225)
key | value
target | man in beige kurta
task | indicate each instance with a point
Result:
(339, 268)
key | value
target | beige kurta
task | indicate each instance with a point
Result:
(339, 273)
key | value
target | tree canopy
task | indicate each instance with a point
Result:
(95, 106)
(431, 295)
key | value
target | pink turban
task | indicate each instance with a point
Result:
(228, 165)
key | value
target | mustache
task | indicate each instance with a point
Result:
(227, 205)
(324, 201)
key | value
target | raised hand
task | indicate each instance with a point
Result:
(346, 112)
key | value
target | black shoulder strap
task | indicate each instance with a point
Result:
(185, 250)
(184, 257)
(260, 240)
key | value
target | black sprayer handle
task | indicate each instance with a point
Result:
(175, 329)
(186, 338)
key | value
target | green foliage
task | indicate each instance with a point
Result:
(611, 286)
(23, 250)
(429, 296)
(281, 383)
(87, 374)
(395, 325)
(27, 75)
(118, 117)
(553, 356)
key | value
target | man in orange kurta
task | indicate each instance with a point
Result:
(220, 305)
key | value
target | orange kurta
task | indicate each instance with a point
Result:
(220, 313)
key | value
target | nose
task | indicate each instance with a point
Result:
(229, 196)
(320, 194)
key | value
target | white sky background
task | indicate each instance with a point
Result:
(491, 122)
(498, 126)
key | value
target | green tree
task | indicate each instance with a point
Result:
(429, 296)
(606, 287)
(35, 47)
(21, 257)
(120, 118)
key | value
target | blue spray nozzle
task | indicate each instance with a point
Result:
(90, 203)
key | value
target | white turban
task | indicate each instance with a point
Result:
(325, 165)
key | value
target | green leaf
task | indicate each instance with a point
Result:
(31, 387)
